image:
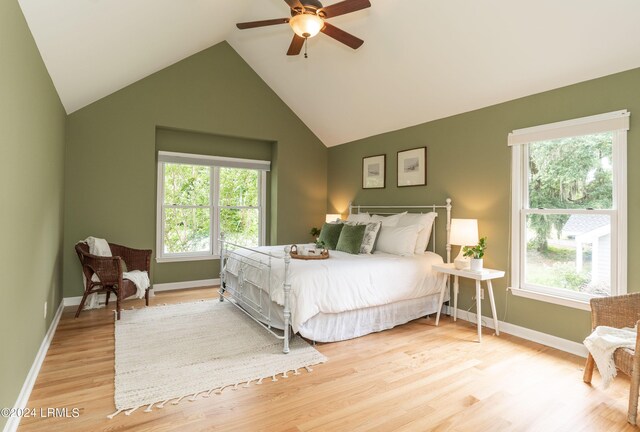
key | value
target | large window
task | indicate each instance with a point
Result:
(569, 209)
(200, 197)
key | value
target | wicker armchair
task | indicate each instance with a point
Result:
(619, 311)
(109, 271)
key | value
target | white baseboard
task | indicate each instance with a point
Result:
(75, 301)
(185, 285)
(25, 392)
(525, 333)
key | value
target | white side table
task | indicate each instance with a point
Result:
(486, 275)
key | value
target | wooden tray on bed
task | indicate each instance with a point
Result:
(294, 254)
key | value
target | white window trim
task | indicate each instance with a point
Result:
(616, 122)
(215, 163)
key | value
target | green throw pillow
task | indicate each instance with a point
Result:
(351, 238)
(330, 234)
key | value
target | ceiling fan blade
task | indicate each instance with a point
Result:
(296, 45)
(293, 4)
(253, 24)
(344, 7)
(342, 36)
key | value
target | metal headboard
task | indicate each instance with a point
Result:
(392, 209)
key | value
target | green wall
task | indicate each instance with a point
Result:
(215, 145)
(469, 161)
(110, 174)
(32, 121)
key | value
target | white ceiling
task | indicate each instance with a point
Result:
(422, 59)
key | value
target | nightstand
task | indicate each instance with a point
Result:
(486, 275)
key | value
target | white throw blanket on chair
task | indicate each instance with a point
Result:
(603, 342)
(100, 247)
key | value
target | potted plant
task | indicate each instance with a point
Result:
(476, 253)
(315, 232)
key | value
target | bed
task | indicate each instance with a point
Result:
(343, 297)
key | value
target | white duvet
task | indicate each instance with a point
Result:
(343, 282)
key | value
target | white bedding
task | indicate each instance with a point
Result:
(343, 282)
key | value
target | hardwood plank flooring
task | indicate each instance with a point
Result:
(416, 377)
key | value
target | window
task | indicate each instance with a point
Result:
(200, 197)
(568, 221)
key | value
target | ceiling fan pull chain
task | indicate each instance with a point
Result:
(305, 47)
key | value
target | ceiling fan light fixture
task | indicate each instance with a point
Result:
(306, 25)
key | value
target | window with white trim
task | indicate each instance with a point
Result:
(569, 209)
(200, 197)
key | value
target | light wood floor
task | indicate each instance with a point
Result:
(416, 377)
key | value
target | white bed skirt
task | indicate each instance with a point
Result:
(360, 322)
(333, 327)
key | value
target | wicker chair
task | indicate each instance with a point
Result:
(619, 311)
(109, 271)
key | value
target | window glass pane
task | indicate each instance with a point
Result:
(186, 184)
(238, 187)
(240, 226)
(570, 173)
(571, 252)
(186, 230)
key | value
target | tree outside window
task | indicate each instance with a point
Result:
(199, 202)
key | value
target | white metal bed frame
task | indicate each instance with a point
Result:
(237, 293)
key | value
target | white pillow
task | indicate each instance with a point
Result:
(359, 218)
(426, 220)
(398, 240)
(388, 221)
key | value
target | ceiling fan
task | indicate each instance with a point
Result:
(308, 19)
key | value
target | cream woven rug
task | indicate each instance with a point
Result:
(191, 350)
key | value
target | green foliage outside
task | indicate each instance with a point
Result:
(188, 229)
(561, 274)
(568, 173)
(239, 188)
(563, 254)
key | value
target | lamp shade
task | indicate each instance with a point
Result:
(332, 217)
(464, 232)
(306, 25)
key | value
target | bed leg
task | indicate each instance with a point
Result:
(287, 299)
(222, 268)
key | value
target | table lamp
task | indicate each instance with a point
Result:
(332, 217)
(464, 232)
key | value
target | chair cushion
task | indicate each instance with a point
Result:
(623, 357)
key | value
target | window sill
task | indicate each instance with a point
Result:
(161, 260)
(562, 301)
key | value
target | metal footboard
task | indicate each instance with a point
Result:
(236, 288)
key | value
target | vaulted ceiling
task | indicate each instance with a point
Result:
(421, 60)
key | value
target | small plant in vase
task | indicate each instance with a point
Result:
(476, 253)
(320, 245)
(315, 233)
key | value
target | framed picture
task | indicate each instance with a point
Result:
(373, 171)
(412, 167)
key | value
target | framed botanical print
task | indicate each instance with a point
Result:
(374, 171)
(412, 167)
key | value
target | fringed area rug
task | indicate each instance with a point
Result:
(167, 353)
